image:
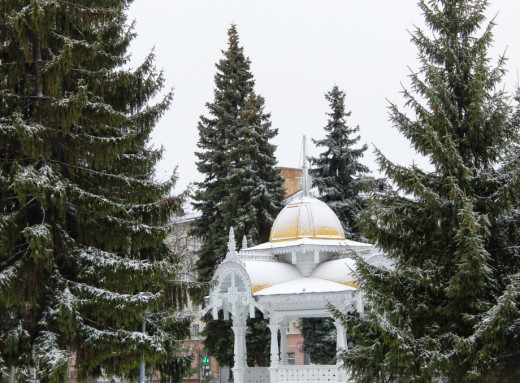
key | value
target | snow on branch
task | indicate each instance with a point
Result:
(130, 339)
(109, 296)
(101, 258)
(52, 361)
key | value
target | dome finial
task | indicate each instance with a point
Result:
(232, 255)
(305, 176)
(232, 248)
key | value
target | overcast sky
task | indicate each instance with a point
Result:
(298, 50)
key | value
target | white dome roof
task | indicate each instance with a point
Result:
(306, 218)
(341, 270)
(264, 274)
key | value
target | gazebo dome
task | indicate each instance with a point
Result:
(306, 218)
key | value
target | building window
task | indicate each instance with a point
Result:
(195, 244)
(290, 358)
(195, 331)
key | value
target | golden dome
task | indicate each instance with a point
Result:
(306, 218)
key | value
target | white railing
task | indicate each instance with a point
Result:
(297, 374)
(308, 374)
(256, 375)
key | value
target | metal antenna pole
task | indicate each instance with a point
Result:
(305, 176)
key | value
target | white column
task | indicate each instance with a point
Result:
(341, 337)
(274, 325)
(240, 351)
(274, 344)
(283, 343)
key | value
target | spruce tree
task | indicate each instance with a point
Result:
(254, 187)
(82, 221)
(319, 336)
(241, 187)
(233, 83)
(335, 174)
(334, 170)
(449, 306)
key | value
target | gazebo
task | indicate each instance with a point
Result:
(306, 266)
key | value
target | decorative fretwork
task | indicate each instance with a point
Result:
(315, 373)
(257, 375)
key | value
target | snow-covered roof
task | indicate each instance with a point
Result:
(306, 218)
(263, 274)
(302, 263)
(346, 243)
(188, 213)
(304, 285)
(307, 257)
(337, 270)
(313, 192)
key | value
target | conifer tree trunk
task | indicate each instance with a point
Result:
(37, 67)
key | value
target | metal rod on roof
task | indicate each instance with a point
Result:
(305, 176)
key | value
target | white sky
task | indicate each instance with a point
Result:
(298, 49)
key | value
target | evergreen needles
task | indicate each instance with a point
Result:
(241, 187)
(82, 222)
(449, 305)
(337, 171)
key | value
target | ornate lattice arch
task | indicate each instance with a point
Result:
(232, 290)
